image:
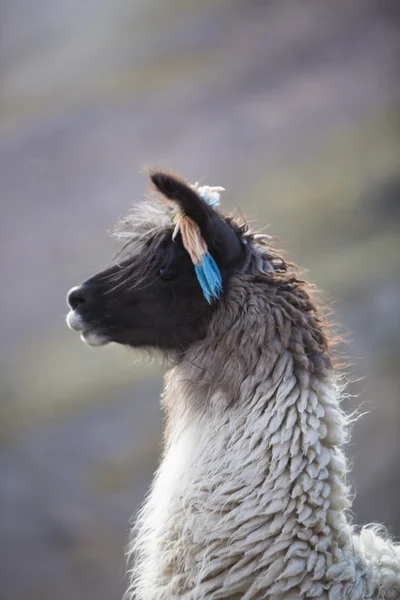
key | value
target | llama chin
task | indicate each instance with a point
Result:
(94, 339)
(250, 500)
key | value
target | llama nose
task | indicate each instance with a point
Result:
(77, 296)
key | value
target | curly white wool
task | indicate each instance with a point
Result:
(220, 524)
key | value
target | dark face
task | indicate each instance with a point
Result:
(163, 307)
(152, 297)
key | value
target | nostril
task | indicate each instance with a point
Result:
(76, 297)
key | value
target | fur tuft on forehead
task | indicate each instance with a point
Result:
(147, 224)
(143, 232)
(145, 219)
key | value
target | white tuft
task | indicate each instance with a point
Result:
(208, 192)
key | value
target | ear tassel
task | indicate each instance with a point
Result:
(207, 271)
(211, 194)
(209, 277)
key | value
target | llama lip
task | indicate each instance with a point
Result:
(93, 338)
(88, 335)
(75, 321)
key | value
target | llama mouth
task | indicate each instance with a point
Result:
(89, 335)
(93, 338)
(75, 321)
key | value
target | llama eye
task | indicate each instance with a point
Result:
(166, 273)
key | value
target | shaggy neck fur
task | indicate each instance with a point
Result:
(250, 498)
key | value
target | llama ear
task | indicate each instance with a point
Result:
(220, 238)
(177, 190)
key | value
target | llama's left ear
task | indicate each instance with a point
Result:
(177, 190)
(221, 239)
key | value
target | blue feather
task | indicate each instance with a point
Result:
(203, 282)
(209, 277)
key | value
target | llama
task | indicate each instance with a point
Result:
(250, 499)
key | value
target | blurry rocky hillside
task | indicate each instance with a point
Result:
(294, 108)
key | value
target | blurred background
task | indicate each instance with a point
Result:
(295, 108)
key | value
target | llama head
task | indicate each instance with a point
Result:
(150, 296)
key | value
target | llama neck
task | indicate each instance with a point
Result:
(287, 424)
(274, 471)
